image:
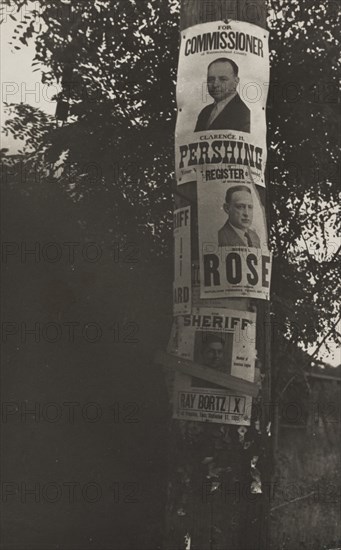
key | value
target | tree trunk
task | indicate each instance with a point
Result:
(204, 514)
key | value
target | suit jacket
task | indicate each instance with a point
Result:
(235, 116)
(227, 236)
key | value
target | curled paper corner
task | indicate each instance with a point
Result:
(207, 460)
(242, 431)
(256, 484)
(254, 461)
(214, 471)
(215, 486)
(256, 487)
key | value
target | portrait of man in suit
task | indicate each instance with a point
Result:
(228, 112)
(213, 351)
(211, 355)
(237, 229)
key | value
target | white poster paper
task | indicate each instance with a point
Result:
(222, 85)
(233, 252)
(182, 261)
(222, 340)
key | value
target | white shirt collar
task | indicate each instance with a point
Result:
(220, 105)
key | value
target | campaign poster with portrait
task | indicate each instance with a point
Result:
(223, 340)
(182, 290)
(233, 252)
(222, 86)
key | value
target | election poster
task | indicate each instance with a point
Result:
(222, 86)
(233, 253)
(223, 340)
(242, 304)
(182, 261)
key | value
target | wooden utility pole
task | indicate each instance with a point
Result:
(219, 484)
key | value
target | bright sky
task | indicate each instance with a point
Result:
(20, 84)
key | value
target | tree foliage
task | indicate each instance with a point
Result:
(116, 62)
(304, 173)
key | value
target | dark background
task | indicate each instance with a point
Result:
(124, 451)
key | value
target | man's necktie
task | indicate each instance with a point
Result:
(248, 239)
(212, 116)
